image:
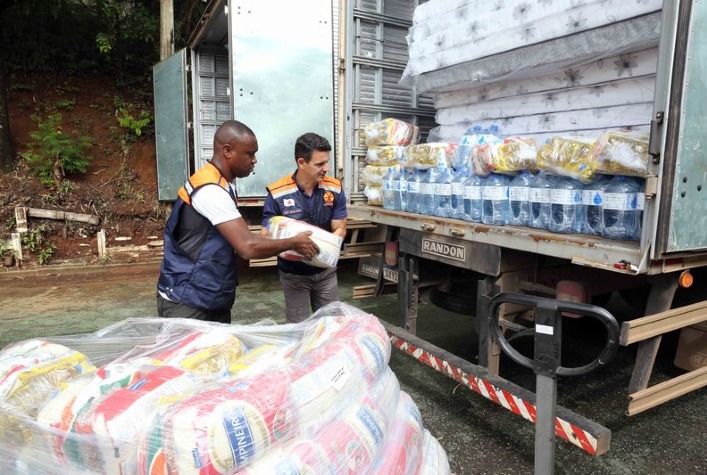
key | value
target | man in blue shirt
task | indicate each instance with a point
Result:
(311, 196)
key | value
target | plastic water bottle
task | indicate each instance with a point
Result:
(620, 211)
(519, 197)
(496, 207)
(427, 192)
(388, 188)
(473, 204)
(402, 196)
(457, 200)
(397, 187)
(540, 209)
(640, 205)
(443, 193)
(413, 198)
(566, 205)
(592, 202)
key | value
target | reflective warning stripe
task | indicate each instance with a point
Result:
(517, 405)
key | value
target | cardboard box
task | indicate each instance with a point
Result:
(692, 347)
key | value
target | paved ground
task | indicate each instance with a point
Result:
(479, 436)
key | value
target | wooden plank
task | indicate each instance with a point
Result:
(667, 390)
(651, 326)
(21, 219)
(63, 215)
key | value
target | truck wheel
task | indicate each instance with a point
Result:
(455, 300)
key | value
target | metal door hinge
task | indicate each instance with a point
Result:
(654, 142)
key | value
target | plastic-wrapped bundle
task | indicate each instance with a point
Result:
(385, 155)
(318, 395)
(206, 353)
(373, 175)
(568, 156)
(374, 194)
(31, 370)
(473, 137)
(434, 458)
(348, 443)
(510, 155)
(402, 450)
(391, 132)
(329, 244)
(226, 428)
(622, 152)
(429, 155)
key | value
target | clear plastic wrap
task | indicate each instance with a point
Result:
(473, 137)
(373, 175)
(391, 132)
(329, 244)
(509, 155)
(312, 397)
(374, 194)
(622, 152)
(385, 155)
(431, 154)
(569, 156)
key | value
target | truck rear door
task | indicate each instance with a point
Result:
(680, 133)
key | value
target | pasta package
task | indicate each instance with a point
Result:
(510, 155)
(374, 193)
(622, 152)
(385, 155)
(390, 132)
(281, 227)
(432, 154)
(569, 156)
(373, 175)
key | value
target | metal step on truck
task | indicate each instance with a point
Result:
(540, 70)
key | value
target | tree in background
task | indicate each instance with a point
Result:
(58, 38)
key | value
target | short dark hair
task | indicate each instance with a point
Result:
(230, 129)
(308, 143)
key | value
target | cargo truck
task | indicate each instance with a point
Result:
(333, 67)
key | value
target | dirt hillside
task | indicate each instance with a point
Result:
(120, 186)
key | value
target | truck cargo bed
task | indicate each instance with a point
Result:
(619, 256)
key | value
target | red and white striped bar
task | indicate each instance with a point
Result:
(589, 436)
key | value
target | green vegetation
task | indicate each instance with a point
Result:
(54, 153)
(35, 242)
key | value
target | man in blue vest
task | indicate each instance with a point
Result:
(311, 196)
(198, 277)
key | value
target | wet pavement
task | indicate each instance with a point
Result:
(479, 436)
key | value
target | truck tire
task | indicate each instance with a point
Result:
(454, 300)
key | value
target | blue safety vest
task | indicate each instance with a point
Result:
(200, 266)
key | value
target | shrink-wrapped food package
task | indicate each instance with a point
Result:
(568, 156)
(312, 397)
(373, 175)
(432, 154)
(282, 227)
(622, 152)
(385, 155)
(509, 155)
(390, 132)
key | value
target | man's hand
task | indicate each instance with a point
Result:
(303, 245)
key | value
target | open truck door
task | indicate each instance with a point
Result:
(679, 132)
(171, 134)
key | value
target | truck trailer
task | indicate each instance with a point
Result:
(539, 69)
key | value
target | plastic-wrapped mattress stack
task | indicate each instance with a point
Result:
(535, 67)
(202, 398)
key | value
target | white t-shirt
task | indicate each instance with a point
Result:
(215, 204)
